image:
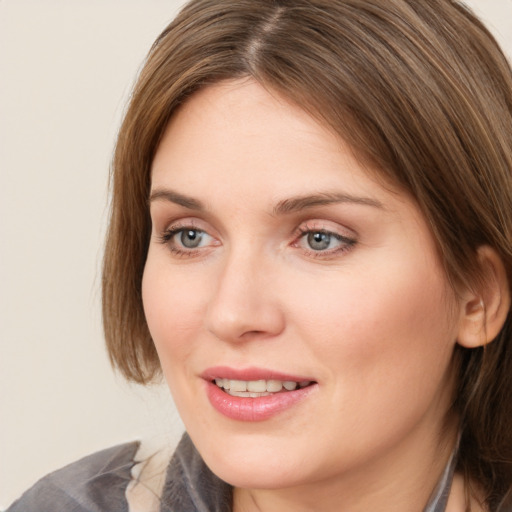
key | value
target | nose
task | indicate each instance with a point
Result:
(245, 304)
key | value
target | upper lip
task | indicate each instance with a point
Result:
(251, 373)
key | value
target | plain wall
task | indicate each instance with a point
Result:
(66, 68)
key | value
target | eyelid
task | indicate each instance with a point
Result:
(173, 228)
(347, 239)
(170, 224)
(327, 227)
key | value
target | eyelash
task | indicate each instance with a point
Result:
(171, 232)
(347, 242)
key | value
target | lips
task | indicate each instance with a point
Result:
(252, 373)
(254, 394)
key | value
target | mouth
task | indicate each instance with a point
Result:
(258, 388)
(255, 394)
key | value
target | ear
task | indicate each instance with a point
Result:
(485, 309)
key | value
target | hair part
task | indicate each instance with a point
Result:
(422, 94)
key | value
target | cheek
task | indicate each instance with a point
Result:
(173, 309)
(383, 328)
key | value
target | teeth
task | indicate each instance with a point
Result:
(255, 388)
(274, 386)
(238, 385)
(247, 394)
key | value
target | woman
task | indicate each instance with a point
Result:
(311, 240)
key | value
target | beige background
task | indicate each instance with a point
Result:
(66, 67)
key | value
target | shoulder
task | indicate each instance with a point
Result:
(80, 486)
(145, 476)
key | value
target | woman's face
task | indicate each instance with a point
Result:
(281, 268)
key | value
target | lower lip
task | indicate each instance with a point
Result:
(254, 409)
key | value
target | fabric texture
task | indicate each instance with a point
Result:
(96, 483)
(191, 486)
(114, 480)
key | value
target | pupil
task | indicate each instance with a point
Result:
(190, 238)
(319, 241)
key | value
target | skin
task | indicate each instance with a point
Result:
(372, 320)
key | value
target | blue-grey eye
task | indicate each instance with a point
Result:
(318, 240)
(191, 238)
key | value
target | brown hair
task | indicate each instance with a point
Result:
(418, 89)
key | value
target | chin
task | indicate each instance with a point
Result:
(257, 475)
(255, 461)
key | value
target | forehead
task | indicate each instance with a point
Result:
(244, 112)
(242, 133)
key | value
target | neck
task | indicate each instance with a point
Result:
(460, 500)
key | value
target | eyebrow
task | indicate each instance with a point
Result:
(295, 204)
(177, 198)
(286, 206)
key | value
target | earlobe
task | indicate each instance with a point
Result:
(485, 310)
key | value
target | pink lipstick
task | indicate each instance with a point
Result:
(254, 394)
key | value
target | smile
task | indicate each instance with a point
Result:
(255, 394)
(258, 388)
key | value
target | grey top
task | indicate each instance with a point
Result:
(82, 486)
(99, 483)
